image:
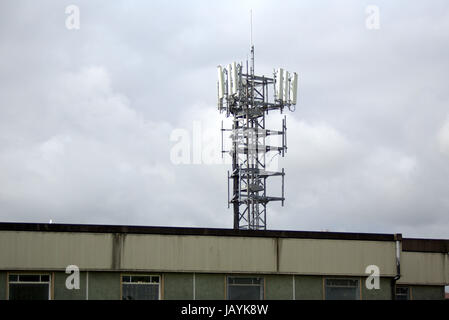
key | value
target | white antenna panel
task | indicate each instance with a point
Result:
(220, 82)
(286, 87)
(294, 88)
(280, 83)
(234, 78)
(229, 80)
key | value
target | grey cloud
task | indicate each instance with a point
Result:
(86, 116)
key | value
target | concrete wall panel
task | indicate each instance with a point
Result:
(199, 253)
(336, 257)
(424, 268)
(54, 250)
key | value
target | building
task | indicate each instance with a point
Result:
(132, 262)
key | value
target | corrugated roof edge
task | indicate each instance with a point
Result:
(408, 244)
(14, 226)
(425, 245)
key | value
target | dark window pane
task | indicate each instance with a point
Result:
(342, 282)
(155, 279)
(339, 293)
(45, 278)
(143, 279)
(342, 289)
(28, 291)
(402, 293)
(126, 279)
(242, 292)
(241, 280)
(245, 288)
(140, 292)
(13, 277)
(401, 290)
(30, 278)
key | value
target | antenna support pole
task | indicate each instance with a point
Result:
(244, 96)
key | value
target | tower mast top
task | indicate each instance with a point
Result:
(246, 98)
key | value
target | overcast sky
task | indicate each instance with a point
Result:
(86, 114)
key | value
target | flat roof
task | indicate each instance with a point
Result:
(408, 244)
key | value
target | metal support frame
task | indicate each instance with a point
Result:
(248, 108)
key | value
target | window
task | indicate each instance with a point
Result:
(402, 293)
(140, 287)
(245, 288)
(342, 289)
(29, 287)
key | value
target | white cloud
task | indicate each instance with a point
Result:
(317, 146)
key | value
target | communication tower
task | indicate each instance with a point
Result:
(247, 99)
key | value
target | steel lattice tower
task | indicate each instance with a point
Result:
(244, 96)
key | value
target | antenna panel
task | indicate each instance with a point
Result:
(286, 88)
(234, 77)
(280, 84)
(220, 82)
(294, 88)
(229, 71)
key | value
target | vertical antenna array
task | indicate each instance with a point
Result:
(245, 97)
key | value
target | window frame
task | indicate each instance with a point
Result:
(260, 285)
(159, 283)
(409, 291)
(18, 281)
(358, 287)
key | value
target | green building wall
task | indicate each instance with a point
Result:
(210, 286)
(2, 285)
(104, 286)
(309, 288)
(62, 293)
(427, 292)
(383, 293)
(279, 287)
(178, 286)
